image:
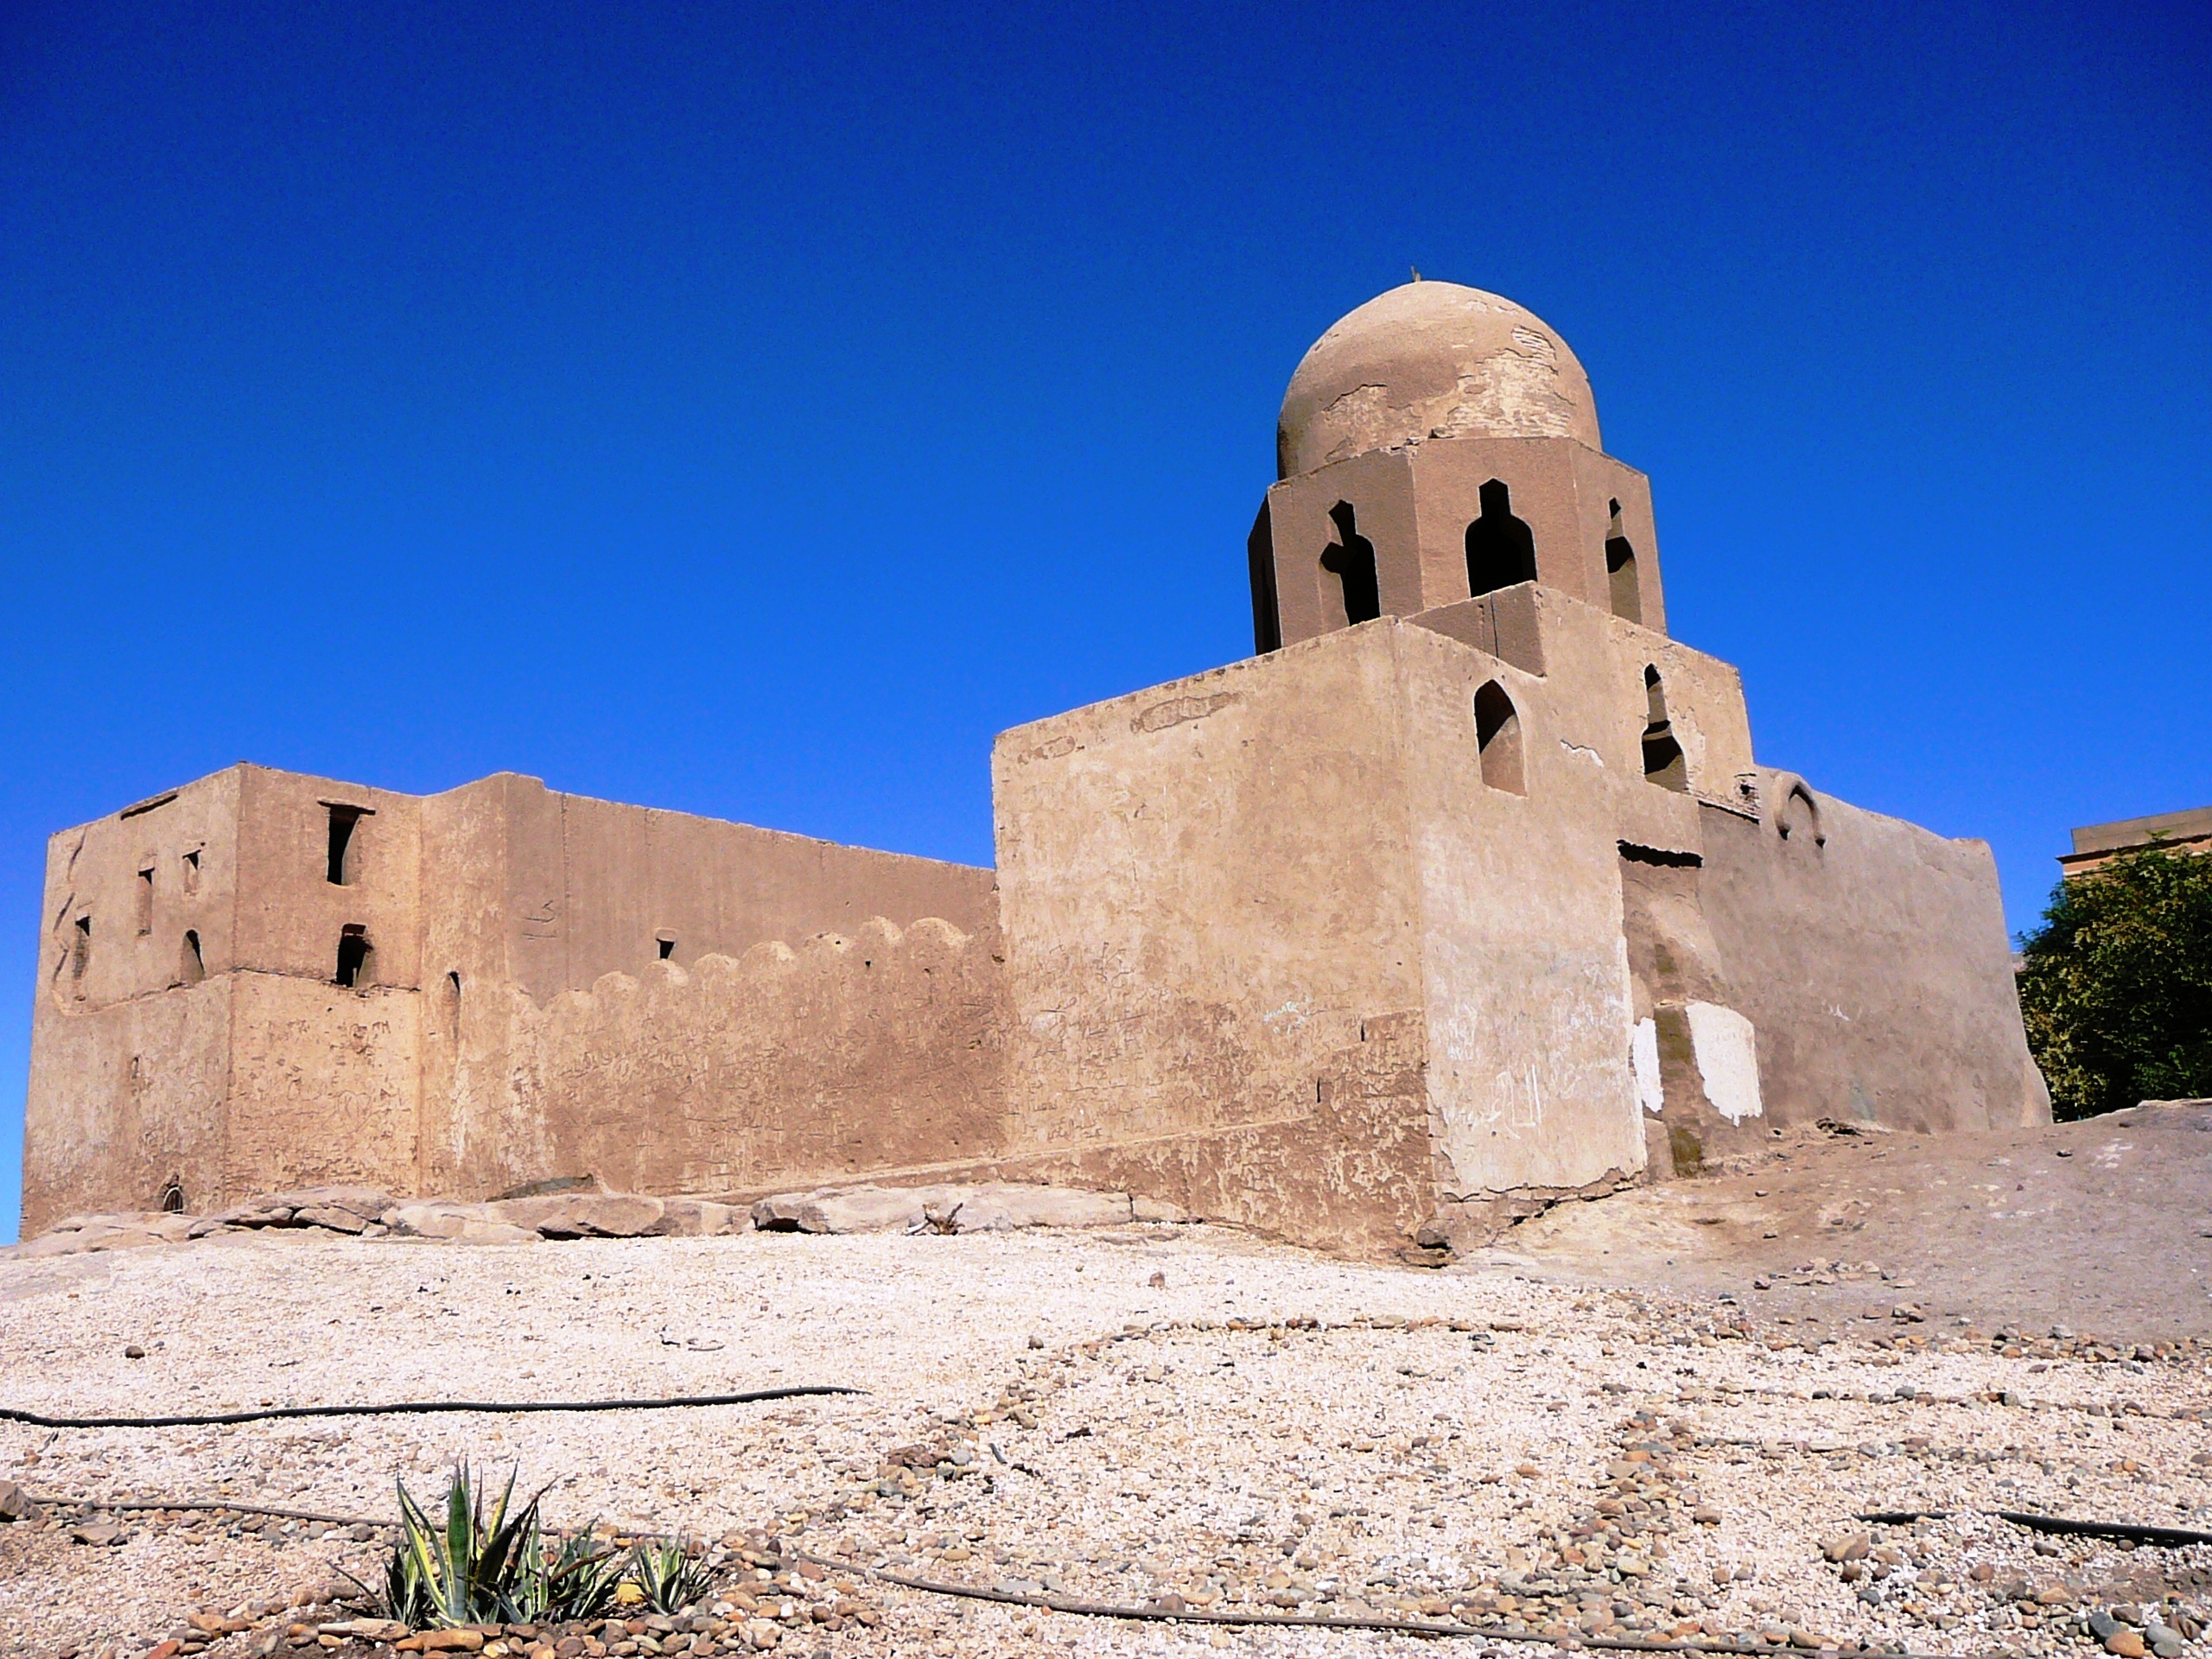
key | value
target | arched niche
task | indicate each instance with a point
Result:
(1498, 739)
(1664, 763)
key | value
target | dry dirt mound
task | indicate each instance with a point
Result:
(2104, 1225)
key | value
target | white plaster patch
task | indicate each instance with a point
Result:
(1727, 1060)
(1643, 1054)
(1582, 752)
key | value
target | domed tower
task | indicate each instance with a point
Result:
(1440, 444)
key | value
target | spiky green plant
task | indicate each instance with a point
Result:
(491, 1561)
(667, 1575)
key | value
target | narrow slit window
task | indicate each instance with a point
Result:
(1267, 612)
(1500, 549)
(1497, 738)
(1663, 762)
(146, 899)
(356, 959)
(81, 947)
(1620, 571)
(191, 966)
(345, 854)
(192, 871)
(1350, 561)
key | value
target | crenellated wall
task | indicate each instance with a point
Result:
(790, 1065)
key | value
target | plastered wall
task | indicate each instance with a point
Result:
(1206, 895)
(1872, 956)
(792, 1065)
(1524, 980)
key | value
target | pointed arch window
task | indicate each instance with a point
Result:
(1497, 738)
(1663, 761)
(1627, 599)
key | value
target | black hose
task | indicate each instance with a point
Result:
(415, 1408)
(2133, 1532)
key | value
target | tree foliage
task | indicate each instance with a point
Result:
(2116, 988)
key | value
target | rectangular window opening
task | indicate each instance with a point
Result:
(343, 859)
(667, 946)
(192, 871)
(81, 947)
(146, 899)
(356, 956)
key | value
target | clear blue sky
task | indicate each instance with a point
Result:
(750, 411)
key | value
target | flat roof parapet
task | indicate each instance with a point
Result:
(2189, 830)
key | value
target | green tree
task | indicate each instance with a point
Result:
(2116, 985)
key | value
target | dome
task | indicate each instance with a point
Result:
(1432, 361)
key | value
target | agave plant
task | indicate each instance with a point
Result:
(667, 1576)
(574, 1578)
(491, 1563)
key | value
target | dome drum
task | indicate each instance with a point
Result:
(1434, 517)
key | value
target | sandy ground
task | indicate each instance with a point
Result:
(1187, 1410)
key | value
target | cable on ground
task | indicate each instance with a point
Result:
(2133, 1532)
(416, 1408)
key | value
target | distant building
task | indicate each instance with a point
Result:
(1463, 892)
(2176, 832)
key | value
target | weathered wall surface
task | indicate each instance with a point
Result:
(290, 914)
(128, 1074)
(130, 943)
(1208, 899)
(1525, 983)
(324, 1081)
(124, 1100)
(1351, 1170)
(789, 1066)
(1870, 955)
(595, 888)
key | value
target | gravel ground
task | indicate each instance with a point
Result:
(1122, 1416)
